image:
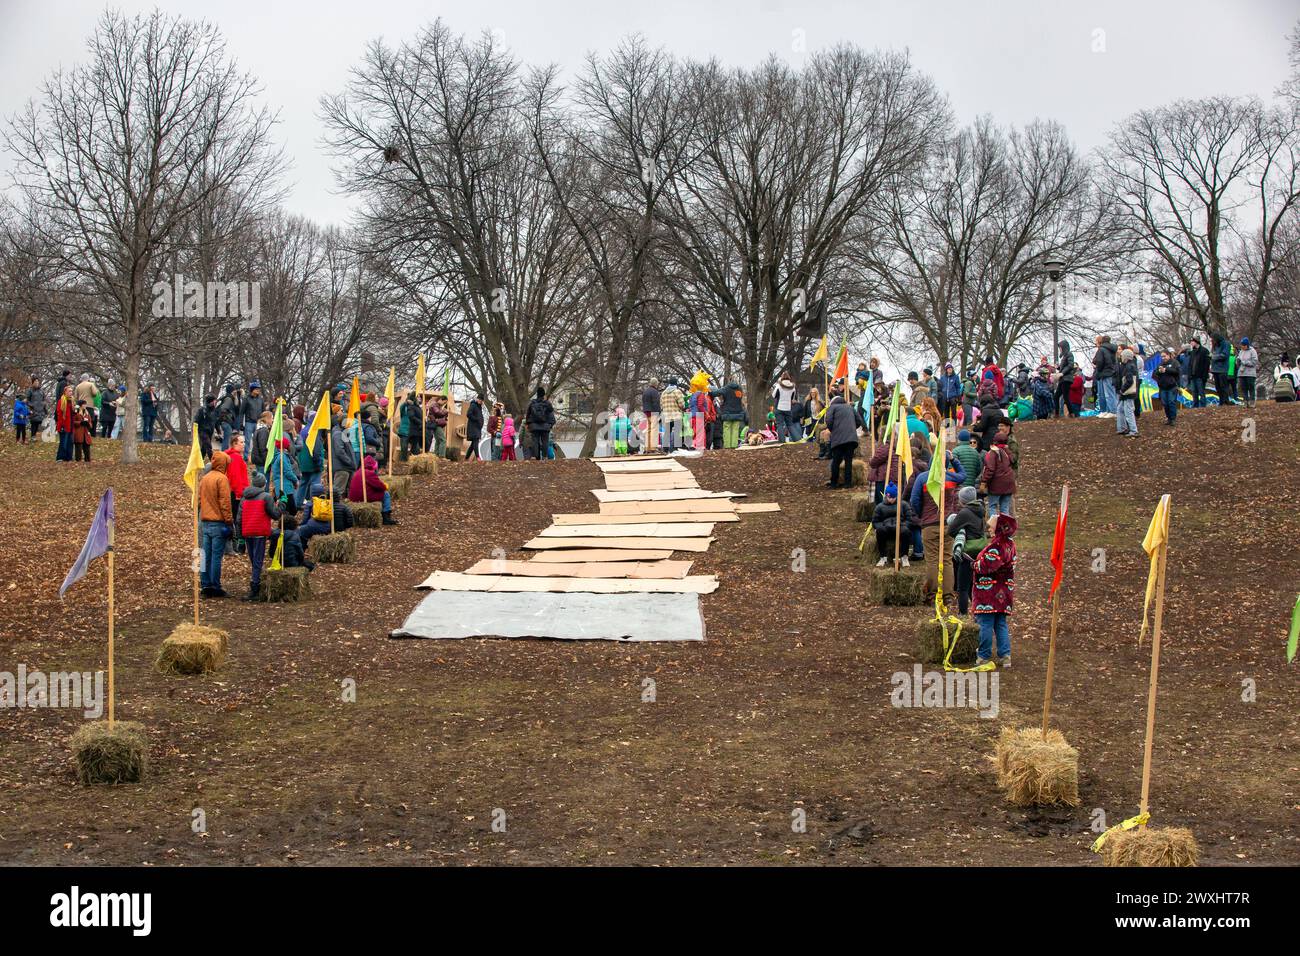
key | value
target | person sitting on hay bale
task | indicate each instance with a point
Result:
(316, 515)
(966, 528)
(843, 421)
(368, 487)
(994, 589)
(257, 511)
(885, 520)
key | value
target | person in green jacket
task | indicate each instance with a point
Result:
(969, 456)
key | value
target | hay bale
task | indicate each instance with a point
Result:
(904, 588)
(338, 548)
(367, 514)
(869, 552)
(423, 464)
(929, 643)
(1037, 772)
(858, 472)
(112, 756)
(288, 585)
(399, 486)
(192, 649)
(864, 506)
(1151, 846)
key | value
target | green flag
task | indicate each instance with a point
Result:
(446, 386)
(277, 432)
(1295, 632)
(938, 471)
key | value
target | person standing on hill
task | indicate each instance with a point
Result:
(949, 392)
(37, 406)
(651, 409)
(967, 530)
(1247, 372)
(257, 510)
(83, 431)
(251, 411)
(843, 421)
(672, 404)
(1127, 385)
(783, 398)
(64, 413)
(22, 417)
(1069, 370)
(216, 523)
(969, 456)
(1104, 366)
(998, 478)
(993, 593)
(1166, 376)
(1198, 370)
(474, 427)
(733, 414)
(1220, 359)
(540, 419)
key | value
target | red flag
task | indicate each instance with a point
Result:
(842, 366)
(1058, 540)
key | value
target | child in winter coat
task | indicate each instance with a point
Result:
(21, 418)
(619, 429)
(508, 439)
(994, 589)
(257, 511)
(83, 431)
(884, 521)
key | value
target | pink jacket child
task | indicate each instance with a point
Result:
(508, 439)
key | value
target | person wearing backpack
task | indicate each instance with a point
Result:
(998, 479)
(967, 530)
(1286, 381)
(1127, 384)
(22, 415)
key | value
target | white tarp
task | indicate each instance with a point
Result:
(578, 616)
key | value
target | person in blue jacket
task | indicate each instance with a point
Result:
(949, 392)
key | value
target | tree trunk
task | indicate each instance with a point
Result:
(130, 445)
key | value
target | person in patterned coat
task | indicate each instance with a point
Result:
(994, 592)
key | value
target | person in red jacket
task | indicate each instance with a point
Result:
(998, 480)
(257, 512)
(366, 485)
(63, 413)
(993, 593)
(83, 430)
(1075, 400)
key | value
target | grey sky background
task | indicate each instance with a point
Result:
(1014, 59)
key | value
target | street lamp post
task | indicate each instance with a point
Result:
(1055, 269)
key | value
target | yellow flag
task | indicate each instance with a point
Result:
(354, 400)
(904, 447)
(321, 420)
(390, 391)
(419, 375)
(276, 563)
(1157, 536)
(821, 355)
(195, 464)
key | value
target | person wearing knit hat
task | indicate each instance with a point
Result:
(969, 456)
(1247, 371)
(887, 516)
(1127, 384)
(966, 529)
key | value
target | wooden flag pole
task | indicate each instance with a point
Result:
(329, 466)
(898, 516)
(943, 498)
(1155, 674)
(1051, 660)
(194, 501)
(391, 432)
(111, 606)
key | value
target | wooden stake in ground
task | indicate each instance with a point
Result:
(193, 467)
(329, 465)
(1156, 544)
(901, 431)
(1058, 561)
(112, 695)
(194, 507)
(99, 542)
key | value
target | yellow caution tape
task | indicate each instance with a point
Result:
(1138, 821)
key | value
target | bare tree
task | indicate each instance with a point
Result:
(117, 155)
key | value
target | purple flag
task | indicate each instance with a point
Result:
(97, 542)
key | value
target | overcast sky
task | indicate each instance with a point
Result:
(1086, 63)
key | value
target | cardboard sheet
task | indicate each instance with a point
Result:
(649, 482)
(675, 544)
(757, 507)
(711, 506)
(570, 555)
(649, 530)
(641, 467)
(610, 617)
(585, 569)
(680, 494)
(455, 581)
(657, 517)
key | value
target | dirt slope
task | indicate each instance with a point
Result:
(786, 707)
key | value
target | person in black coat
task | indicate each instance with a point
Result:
(885, 519)
(843, 420)
(1068, 368)
(474, 426)
(1167, 375)
(540, 419)
(1198, 371)
(965, 526)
